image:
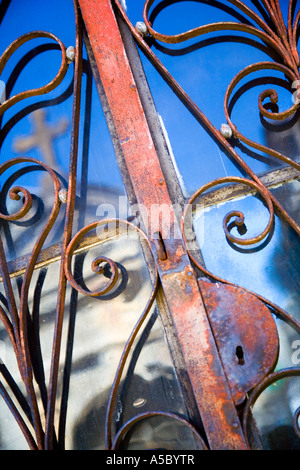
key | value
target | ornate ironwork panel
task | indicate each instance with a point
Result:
(140, 307)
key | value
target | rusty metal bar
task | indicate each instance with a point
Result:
(52, 389)
(178, 279)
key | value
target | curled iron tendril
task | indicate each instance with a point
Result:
(287, 49)
(294, 323)
(273, 96)
(18, 321)
(281, 41)
(36, 91)
(97, 264)
(238, 216)
(117, 225)
(16, 192)
(239, 220)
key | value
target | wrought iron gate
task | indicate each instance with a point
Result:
(223, 337)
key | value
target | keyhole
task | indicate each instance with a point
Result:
(240, 355)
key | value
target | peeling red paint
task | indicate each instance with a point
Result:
(181, 289)
(248, 354)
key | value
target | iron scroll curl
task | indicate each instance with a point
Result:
(279, 39)
(36, 91)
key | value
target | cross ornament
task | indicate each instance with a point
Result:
(42, 138)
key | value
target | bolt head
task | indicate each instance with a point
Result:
(63, 195)
(70, 53)
(141, 28)
(226, 131)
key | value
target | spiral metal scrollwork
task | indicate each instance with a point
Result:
(282, 39)
(239, 217)
(37, 91)
(96, 264)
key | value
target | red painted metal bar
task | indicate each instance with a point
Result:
(178, 279)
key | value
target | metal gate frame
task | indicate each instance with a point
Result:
(191, 303)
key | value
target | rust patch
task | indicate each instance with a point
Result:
(180, 285)
(245, 333)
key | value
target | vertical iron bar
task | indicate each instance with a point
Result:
(52, 389)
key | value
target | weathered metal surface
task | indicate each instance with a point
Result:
(224, 355)
(246, 335)
(282, 40)
(179, 282)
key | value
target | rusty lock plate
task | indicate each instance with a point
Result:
(245, 333)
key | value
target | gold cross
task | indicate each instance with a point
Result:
(42, 137)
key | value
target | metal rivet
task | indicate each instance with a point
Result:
(161, 181)
(189, 273)
(63, 195)
(139, 402)
(70, 53)
(2, 92)
(226, 131)
(235, 425)
(141, 28)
